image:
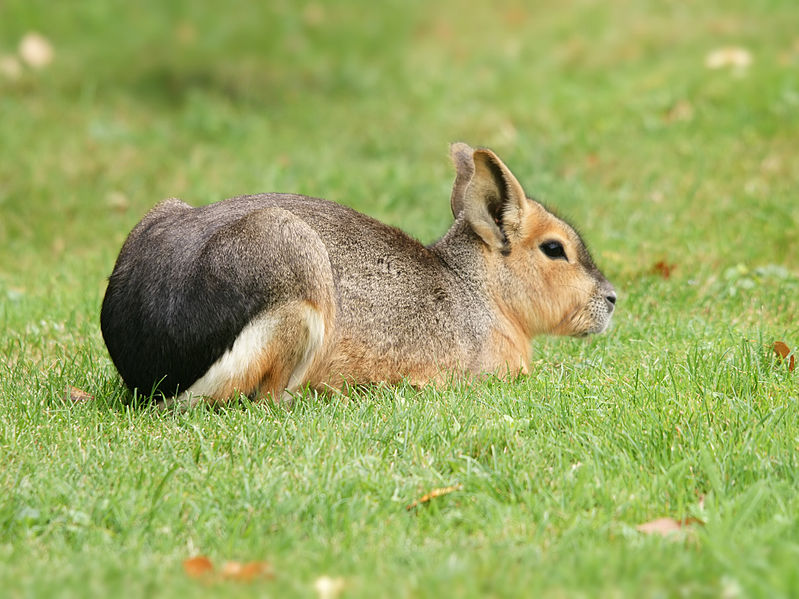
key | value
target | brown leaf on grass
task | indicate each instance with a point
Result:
(202, 567)
(666, 526)
(247, 572)
(198, 567)
(76, 395)
(427, 497)
(784, 353)
(663, 269)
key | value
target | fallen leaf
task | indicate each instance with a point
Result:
(76, 395)
(35, 50)
(666, 526)
(247, 572)
(197, 567)
(663, 269)
(784, 352)
(433, 494)
(730, 56)
(328, 588)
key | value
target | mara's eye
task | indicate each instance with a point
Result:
(554, 250)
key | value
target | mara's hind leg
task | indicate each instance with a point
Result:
(297, 345)
(270, 358)
(238, 370)
(279, 256)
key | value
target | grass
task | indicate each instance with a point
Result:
(606, 111)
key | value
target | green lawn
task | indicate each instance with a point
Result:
(606, 111)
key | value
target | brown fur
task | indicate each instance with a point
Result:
(346, 299)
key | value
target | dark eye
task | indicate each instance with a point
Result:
(554, 250)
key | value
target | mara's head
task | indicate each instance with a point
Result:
(542, 276)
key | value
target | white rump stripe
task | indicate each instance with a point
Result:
(248, 349)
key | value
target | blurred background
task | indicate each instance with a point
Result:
(666, 130)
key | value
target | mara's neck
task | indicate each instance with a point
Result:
(462, 253)
(507, 340)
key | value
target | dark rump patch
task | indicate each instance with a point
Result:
(167, 315)
(163, 336)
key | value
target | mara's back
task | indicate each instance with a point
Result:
(177, 300)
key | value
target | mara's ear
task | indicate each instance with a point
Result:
(463, 158)
(492, 200)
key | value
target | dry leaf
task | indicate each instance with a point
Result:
(35, 50)
(784, 352)
(201, 567)
(663, 269)
(247, 572)
(666, 526)
(197, 567)
(730, 56)
(76, 395)
(433, 494)
(328, 588)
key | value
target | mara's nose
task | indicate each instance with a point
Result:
(610, 298)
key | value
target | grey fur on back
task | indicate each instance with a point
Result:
(191, 302)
